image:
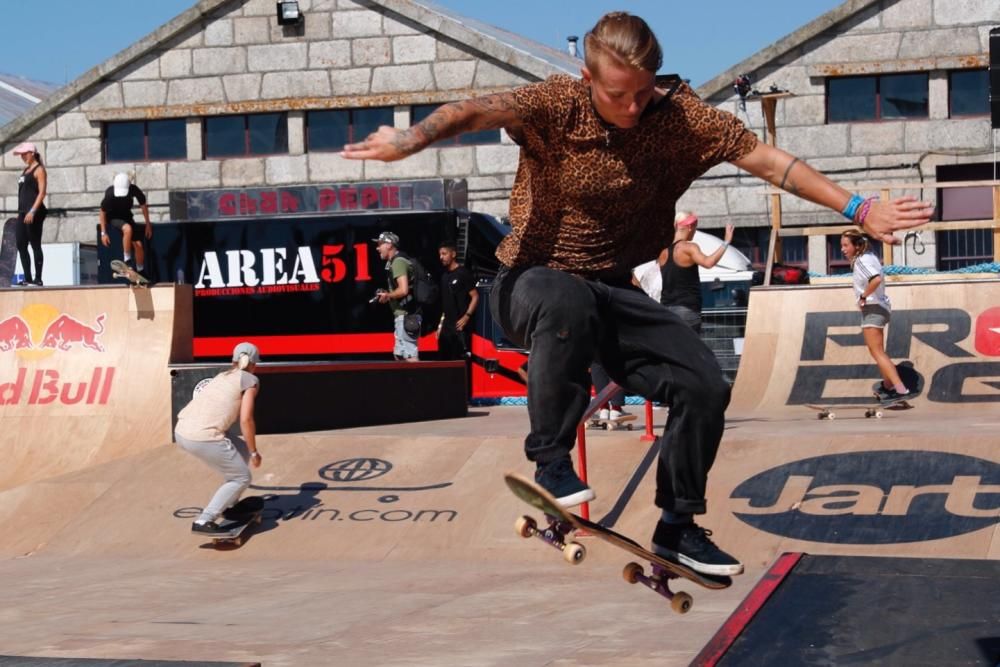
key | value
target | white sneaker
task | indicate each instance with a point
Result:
(597, 418)
(603, 415)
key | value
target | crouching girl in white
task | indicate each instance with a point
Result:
(202, 425)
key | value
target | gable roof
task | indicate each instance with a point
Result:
(18, 94)
(531, 57)
(784, 45)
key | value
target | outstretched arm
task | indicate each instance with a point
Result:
(696, 256)
(387, 144)
(796, 177)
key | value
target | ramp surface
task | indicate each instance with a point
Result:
(83, 374)
(903, 612)
(804, 345)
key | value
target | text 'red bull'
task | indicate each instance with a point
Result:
(46, 386)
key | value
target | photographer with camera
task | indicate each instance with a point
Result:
(399, 278)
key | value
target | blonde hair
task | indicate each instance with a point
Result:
(625, 38)
(859, 241)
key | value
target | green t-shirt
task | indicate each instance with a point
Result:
(396, 268)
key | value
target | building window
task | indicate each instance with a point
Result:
(964, 247)
(145, 140)
(968, 92)
(418, 112)
(882, 97)
(332, 130)
(836, 263)
(249, 134)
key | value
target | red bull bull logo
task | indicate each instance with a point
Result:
(40, 332)
(14, 334)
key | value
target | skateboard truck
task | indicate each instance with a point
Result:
(658, 581)
(554, 535)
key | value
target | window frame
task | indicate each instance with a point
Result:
(983, 114)
(145, 140)
(879, 118)
(351, 137)
(283, 116)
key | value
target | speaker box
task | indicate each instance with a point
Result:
(995, 78)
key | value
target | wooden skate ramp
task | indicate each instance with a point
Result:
(83, 374)
(804, 345)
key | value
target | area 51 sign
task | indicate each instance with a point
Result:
(876, 497)
(942, 329)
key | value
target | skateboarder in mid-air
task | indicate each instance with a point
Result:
(202, 425)
(876, 311)
(603, 161)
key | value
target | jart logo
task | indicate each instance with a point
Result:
(879, 497)
(39, 332)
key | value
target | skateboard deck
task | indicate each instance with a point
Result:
(8, 252)
(247, 512)
(612, 424)
(907, 373)
(561, 523)
(120, 269)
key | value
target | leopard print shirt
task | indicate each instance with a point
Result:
(595, 200)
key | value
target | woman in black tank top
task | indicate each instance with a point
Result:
(31, 212)
(681, 292)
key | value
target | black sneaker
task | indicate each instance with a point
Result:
(880, 390)
(689, 544)
(558, 478)
(892, 397)
(207, 527)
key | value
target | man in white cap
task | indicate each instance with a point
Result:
(399, 274)
(202, 425)
(116, 208)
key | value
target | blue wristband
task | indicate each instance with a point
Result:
(852, 207)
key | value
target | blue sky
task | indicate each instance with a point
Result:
(57, 40)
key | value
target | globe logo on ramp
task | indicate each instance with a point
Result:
(355, 470)
(876, 497)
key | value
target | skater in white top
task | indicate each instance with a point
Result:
(876, 310)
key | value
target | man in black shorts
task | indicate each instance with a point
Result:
(116, 208)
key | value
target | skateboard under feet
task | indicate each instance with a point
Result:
(236, 520)
(561, 525)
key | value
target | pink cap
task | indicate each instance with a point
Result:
(25, 147)
(685, 219)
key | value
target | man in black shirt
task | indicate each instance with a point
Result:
(459, 299)
(116, 207)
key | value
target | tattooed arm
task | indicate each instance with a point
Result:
(796, 177)
(489, 112)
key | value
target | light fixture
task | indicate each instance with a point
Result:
(288, 12)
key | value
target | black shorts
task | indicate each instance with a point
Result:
(136, 226)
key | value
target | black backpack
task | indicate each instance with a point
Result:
(425, 291)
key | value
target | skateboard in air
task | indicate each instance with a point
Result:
(236, 520)
(623, 422)
(561, 524)
(120, 269)
(8, 252)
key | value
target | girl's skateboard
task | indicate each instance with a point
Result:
(236, 520)
(625, 421)
(562, 523)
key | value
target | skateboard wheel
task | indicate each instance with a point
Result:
(681, 603)
(609, 426)
(525, 526)
(831, 416)
(628, 427)
(574, 553)
(878, 414)
(631, 573)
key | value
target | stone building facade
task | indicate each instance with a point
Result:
(225, 58)
(860, 40)
(230, 57)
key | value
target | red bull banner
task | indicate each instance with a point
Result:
(54, 357)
